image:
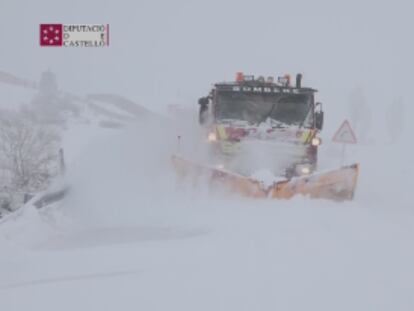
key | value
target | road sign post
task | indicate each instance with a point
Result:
(344, 135)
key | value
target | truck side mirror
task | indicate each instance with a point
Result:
(203, 112)
(319, 120)
(318, 116)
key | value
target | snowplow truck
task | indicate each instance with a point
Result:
(263, 141)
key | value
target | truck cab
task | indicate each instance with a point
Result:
(263, 122)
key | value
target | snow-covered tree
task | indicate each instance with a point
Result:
(395, 119)
(50, 105)
(28, 153)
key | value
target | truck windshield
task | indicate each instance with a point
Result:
(287, 109)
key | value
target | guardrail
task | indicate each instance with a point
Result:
(39, 201)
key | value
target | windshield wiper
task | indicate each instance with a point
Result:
(304, 119)
(271, 110)
(267, 115)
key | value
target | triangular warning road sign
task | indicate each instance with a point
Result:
(345, 134)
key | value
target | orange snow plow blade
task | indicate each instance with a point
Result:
(336, 185)
(219, 178)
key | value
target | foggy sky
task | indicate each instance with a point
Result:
(166, 52)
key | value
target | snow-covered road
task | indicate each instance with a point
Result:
(239, 256)
(127, 237)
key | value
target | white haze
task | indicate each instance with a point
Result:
(129, 178)
(165, 52)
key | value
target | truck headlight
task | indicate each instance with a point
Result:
(303, 169)
(316, 141)
(212, 137)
